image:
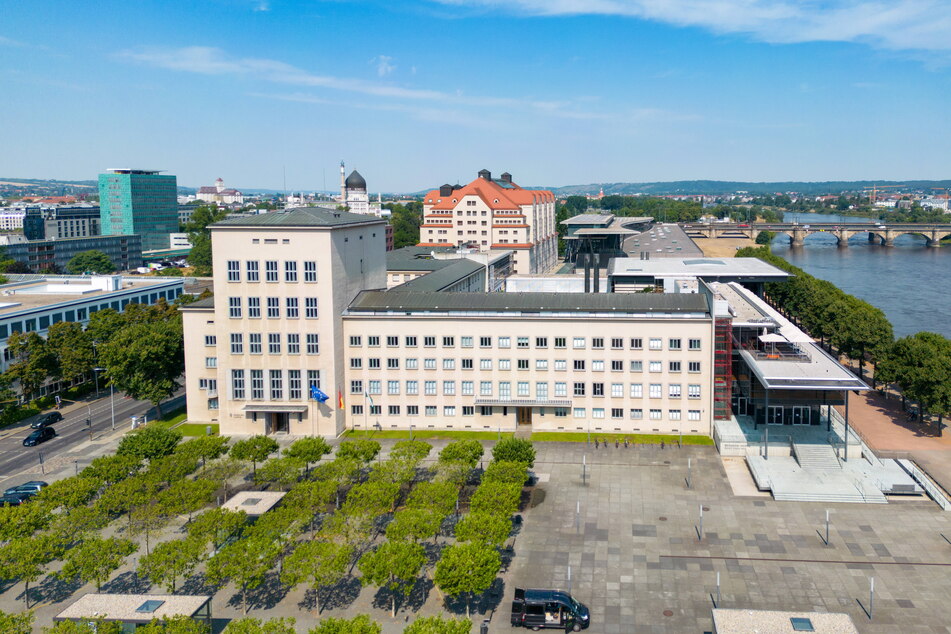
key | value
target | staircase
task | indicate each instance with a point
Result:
(866, 497)
(816, 457)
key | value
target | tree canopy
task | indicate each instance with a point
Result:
(93, 261)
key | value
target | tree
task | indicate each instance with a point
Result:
(765, 237)
(310, 496)
(174, 625)
(200, 236)
(414, 524)
(319, 563)
(467, 569)
(16, 623)
(439, 496)
(308, 450)
(394, 565)
(218, 525)
(506, 471)
(920, 365)
(172, 560)
(281, 471)
(360, 624)
(146, 360)
(111, 469)
(73, 350)
(467, 451)
(491, 528)
(500, 498)
(22, 521)
(149, 442)
(249, 625)
(104, 324)
(254, 450)
(514, 450)
(88, 625)
(187, 496)
(412, 450)
(438, 625)
(371, 498)
(95, 559)
(33, 361)
(204, 447)
(69, 492)
(93, 261)
(25, 559)
(361, 450)
(245, 562)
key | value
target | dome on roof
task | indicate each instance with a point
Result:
(355, 181)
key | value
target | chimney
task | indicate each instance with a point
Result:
(506, 177)
(597, 272)
(485, 174)
(587, 272)
(445, 190)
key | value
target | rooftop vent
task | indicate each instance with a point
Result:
(485, 174)
(506, 177)
(445, 190)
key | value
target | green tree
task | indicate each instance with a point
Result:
(149, 442)
(33, 361)
(467, 569)
(73, 350)
(371, 498)
(174, 625)
(514, 450)
(313, 497)
(26, 558)
(505, 471)
(765, 237)
(412, 450)
(491, 528)
(205, 447)
(88, 625)
(146, 360)
(360, 624)
(249, 625)
(104, 325)
(414, 524)
(920, 365)
(254, 450)
(187, 496)
(361, 450)
(283, 472)
(93, 261)
(112, 469)
(171, 561)
(95, 559)
(467, 451)
(394, 565)
(308, 450)
(16, 623)
(199, 235)
(22, 521)
(69, 492)
(437, 624)
(439, 496)
(405, 220)
(318, 563)
(501, 498)
(245, 562)
(216, 526)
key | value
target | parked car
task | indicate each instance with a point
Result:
(32, 487)
(40, 435)
(549, 609)
(46, 420)
(15, 499)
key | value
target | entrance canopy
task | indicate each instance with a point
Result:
(274, 409)
(522, 402)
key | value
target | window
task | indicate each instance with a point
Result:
(313, 378)
(673, 343)
(597, 412)
(448, 342)
(561, 412)
(522, 364)
(290, 271)
(270, 270)
(412, 410)
(579, 364)
(429, 364)
(310, 271)
(522, 389)
(310, 309)
(541, 391)
(541, 364)
(291, 304)
(656, 390)
(617, 365)
(579, 412)
(356, 410)
(637, 413)
(234, 271)
(430, 410)
(277, 385)
(485, 364)
(637, 366)
(253, 271)
(356, 340)
(273, 307)
(393, 410)
(674, 366)
(637, 343)
(578, 342)
(373, 341)
(656, 366)
(448, 364)
(468, 410)
(274, 343)
(410, 342)
(560, 342)
(693, 414)
(485, 388)
(449, 410)
(637, 390)
(579, 389)
(485, 342)
(254, 343)
(561, 389)
(617, 390)
(211, 340)
(521, 342)
(467, 364)
(356, 363)
(597, 389)
(673, 390)
(429, 342)
(693, 344)
(468, 388)
(429, 388)
(237, 384)
(373, 363)
(234, 307)
(374, 387)
(656, 343)
(313, 343)
(392, 364)
(412, 364)
(655, 414)
(293, 343)
(356, 387)
(541, 342)
(597, 366)
(237, 343)
(412, 388)
(449, 388)
(257, 385)
(466, 342)
(673, 414)
(597, 342)
(693, 366)
(617, 412)
(505, 364)
(617, 343)
(293, 385)
(505, 390)
(693, 390)
(505, 342)
(254, 307)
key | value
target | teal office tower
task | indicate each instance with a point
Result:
(142, 202)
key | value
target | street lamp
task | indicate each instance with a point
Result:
(96, 372)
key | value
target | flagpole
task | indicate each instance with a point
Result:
(366, 412)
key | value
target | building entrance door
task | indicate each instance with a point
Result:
(280, 422)
(800, 416)
(774, 415)
(741, 405)
(523, 415)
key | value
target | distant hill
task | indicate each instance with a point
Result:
(713, 188)
(50, 187)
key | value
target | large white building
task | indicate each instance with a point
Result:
(491, 214)
(219, 194)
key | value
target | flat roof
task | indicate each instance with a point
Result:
(253, 502)
(416, 258)
(740, 621)
(126, 607)
(662, 241)
(453, 272)
(300, 217)
(751, 269)
(51, 290)
(396, 300)
(589, 219)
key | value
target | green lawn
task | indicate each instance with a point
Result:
(170, 419)
(637, 439)
(197, 429)
(426, 434)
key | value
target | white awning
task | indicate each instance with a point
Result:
(773, 338)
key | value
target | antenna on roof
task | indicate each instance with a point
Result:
(284, 168)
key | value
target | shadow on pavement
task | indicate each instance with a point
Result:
(55, 589)
(128, 583)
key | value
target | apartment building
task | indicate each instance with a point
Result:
(494, 214)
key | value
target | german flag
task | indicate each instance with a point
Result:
(339, 398)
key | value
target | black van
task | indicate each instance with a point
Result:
(549, 609)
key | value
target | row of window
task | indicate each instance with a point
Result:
(271, 308)
(578, 343)
(258, 383)
(275, 343)
(272, 271)
(597, 413)
(559, 365)
(523, 389)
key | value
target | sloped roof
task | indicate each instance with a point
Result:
(495, 194)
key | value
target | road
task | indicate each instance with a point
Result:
(72, 430)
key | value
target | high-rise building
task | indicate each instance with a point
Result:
(139, 202)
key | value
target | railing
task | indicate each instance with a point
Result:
(922, 478)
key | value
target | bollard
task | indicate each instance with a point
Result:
(584, 470)
(827, 527)
(688, 473)
(484, 628)
(700, 532)
(578, 517)
(718, 590)
(208, 430)
(569, 578)
(871, 596)
(615, 443)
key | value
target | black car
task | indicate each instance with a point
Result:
(47, 420)
(32, 488)
(40, 435)
(15, 499)
(549, 609)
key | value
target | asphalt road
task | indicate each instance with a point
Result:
(72, 430)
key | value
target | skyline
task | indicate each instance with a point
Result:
(560, 92)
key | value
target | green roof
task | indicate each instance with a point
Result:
(300, 217)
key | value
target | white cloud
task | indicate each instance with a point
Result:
(262, 6)
(6, 41)
(383, 65)
(900, 25)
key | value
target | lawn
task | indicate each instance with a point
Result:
(197, 429)
(426, 434)
(637, 439)
(170, 419)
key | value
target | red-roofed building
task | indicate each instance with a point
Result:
(218, 193)
(491, 214)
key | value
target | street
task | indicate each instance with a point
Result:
(71, 433)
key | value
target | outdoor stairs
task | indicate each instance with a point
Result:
(869, 497)
(816, 457)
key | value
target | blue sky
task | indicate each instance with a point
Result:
(414, 93)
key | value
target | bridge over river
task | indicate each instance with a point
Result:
(884, 234)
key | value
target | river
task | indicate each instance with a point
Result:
(908, 281)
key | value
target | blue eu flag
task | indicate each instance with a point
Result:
(317, 395)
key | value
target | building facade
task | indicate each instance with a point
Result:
(53, 223)
(53, 255)
(219, 194)
(141, 202)
(494, 214)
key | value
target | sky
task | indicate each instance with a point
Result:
(415, 93)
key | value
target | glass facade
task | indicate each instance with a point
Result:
(139, 202)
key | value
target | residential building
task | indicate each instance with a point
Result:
(53, 223)
(11, 218)
(494, 214)
(219, 194)
(141, 202)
